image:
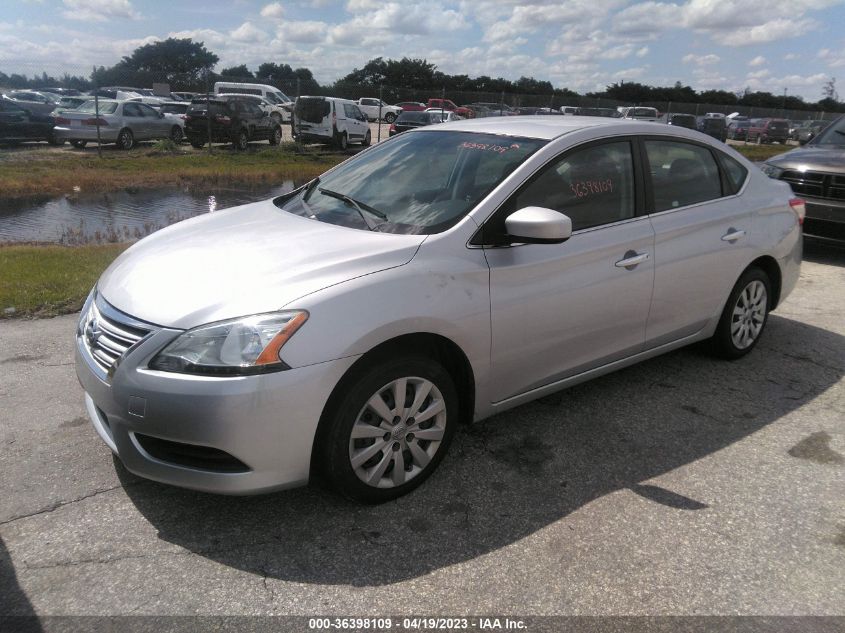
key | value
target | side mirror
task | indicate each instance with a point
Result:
(537, 225)
(161, 115)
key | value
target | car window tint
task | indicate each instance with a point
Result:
(348, 110)
(131, 109)
(147, 111)
(592, 186)
(682, 174)
(736, 173)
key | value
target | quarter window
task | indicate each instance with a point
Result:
(592, 186)
(735, 172)
(682, 174)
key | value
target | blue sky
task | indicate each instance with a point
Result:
(584, 45)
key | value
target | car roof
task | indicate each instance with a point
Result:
(546, 127)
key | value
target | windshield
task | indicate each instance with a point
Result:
(421, 182)
(106, 107)
(832, 135)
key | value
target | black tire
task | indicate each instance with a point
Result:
(125, 139)
(79, 144)
(277, 118)
(52, 140)
(723, 343)
(241, 141)
(276, 136)
(342, 141)
(334, 449)
(197, 144)
(390, 117)
(368, 138)
(176, 134)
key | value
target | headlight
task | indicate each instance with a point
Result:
(249, 345)
(771, 171)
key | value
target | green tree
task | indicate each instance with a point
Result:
(177, 61)
(237, 72)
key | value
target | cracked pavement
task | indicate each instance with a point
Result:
(681, 486)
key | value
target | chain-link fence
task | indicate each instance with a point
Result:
(26, 75)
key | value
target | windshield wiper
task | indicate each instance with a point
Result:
(310, 188)
(358, 206)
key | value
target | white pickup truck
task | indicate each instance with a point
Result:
(370, 107)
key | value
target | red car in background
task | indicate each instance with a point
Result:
(446, 104)
(411, 106)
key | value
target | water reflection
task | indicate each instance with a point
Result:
(121, 215)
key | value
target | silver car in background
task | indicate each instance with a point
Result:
(447, 274)
(121, 122)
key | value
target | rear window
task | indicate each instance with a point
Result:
(174, 108)
(413, 117)
(312, 109)
(106, 107)
(778, 125)
(200, 105)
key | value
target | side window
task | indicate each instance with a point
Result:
(131, 109)
(736, 173)
(358, 114)
(593, 186)
(682, 174)
(349, 111)
(148, 112)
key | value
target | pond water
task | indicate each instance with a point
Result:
(119, 215)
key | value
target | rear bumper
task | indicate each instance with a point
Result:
(107, 134)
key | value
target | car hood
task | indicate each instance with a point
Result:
(244, 260)
(813, 158)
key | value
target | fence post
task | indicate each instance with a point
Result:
(208, 111)
(295, 123)
(97, 115)
(502, 104)
(380, 99)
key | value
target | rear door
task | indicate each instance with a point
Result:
(701, 230)
(133, 118)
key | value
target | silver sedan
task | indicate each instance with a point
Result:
(121, 122)
(445, 275)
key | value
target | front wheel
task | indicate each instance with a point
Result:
(390, 429)
(342, 141)
(276, 136)
(368, 138)
(745, 315)
(241, 140)
(125, 139)
(390, 117)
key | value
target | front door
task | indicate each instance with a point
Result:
(560, 309)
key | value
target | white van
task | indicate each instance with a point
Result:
(569, 110)
(281, 102)
(330, 120)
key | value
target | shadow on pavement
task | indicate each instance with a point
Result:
(514, 474)
(15, 609)
(824, 252)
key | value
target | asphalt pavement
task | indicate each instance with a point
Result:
(685, 486)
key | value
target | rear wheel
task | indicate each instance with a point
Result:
(276, 136)
(745, 315)
(241, 141)
(390, 429)
(79, 144)
(390, 117)
(125, 139)
(342, 141)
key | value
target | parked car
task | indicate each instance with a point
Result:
(121, 122)
(330, 120)
(372, 107)
(603, 112)
(19, 124)
(446, 104)
(70, 103)
(185, 96)
(32, 101)
(816, 172)
(411, 120)
(118, 93)
(809, 130)
(279, 113)
(271, 93)
(411, 106)
(493, 109)
(717, 127)
(442, 116)
(768, 131)
(682, 120)
(233, 119)
(639, 113)
(569, 109)
(738, 130)
(448, 274)
(62, 92)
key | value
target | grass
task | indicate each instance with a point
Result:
(45, 281)
(761, 152)
(60, 172)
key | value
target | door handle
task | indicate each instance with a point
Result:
(733, 235)
(632, 258)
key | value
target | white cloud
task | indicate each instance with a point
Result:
(273, 11)
(701, 60)
(757, 61)
(98, 10)
(772, 31)
(306, 31)
(248, 32)
(833, 59)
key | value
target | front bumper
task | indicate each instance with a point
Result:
(825, 218)
(266, 423)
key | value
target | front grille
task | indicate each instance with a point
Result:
(816, 184)
(108, 334)
(191, 455)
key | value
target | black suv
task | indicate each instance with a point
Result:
(233, 120)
